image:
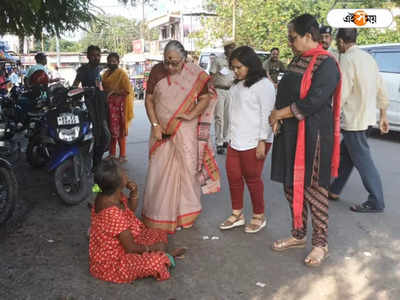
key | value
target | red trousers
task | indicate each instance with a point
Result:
(122, 146)
(244, 166)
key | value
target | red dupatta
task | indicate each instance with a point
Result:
(299, 162)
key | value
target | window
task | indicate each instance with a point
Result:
(388, 61)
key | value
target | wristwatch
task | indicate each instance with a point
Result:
(155, 124)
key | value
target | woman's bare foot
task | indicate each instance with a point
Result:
(179, 253)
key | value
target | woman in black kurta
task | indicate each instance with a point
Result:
(316, 110)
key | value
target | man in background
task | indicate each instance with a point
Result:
(223, 78)
(88, 75)
(326, 40)
(41, 62)
(273, 66)
(362, 93)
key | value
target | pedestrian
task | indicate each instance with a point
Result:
(56, 73)
(273, 66)
(306, 147)
(120, 98)
(223, 79)
(363, 92)
(326, 40)
(180, 104)
(252, 99)
(88, 75)
(14, 78)
(121, 248)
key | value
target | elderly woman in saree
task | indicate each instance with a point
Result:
(179, 102)
(120, 104)
(306, 150)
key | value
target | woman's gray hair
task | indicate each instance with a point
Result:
(175, 46)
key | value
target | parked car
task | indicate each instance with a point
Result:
(387, 57)
(204, 59)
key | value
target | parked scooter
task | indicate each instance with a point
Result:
(63, 140)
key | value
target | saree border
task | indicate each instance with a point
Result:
(170, 226)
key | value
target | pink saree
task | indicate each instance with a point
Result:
(183, 165)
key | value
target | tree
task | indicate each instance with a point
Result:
(262, 24)
(32, 17)
(115, 33)
(136, 3)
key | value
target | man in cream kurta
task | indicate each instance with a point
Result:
(362, 93)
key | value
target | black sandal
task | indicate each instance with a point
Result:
(365, 207)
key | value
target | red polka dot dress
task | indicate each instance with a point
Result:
(107, 258)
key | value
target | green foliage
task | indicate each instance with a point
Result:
(115, 33)
(262, 24)
(31, 17)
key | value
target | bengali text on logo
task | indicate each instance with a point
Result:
(360, 18)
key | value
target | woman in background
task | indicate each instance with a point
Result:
(120, 104)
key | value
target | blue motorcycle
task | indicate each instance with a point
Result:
(62, 139)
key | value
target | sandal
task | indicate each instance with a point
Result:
(333, 197)
(122, 159)
(256, 224)
(232, 221)
(288, 243)
(316, 256)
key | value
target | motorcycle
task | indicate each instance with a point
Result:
(23, 104)
(63, 140)
(9, 153)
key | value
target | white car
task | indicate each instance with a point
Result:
(387, 57)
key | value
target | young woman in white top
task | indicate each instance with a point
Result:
(253, 98)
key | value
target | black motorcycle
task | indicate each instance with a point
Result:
(9, 153)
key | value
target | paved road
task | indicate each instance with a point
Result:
(47, 256)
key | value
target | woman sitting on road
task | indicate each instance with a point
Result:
(120, 104)
(253, 98)
(121, 247)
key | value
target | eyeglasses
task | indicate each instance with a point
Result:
(292, 39)
(172, 63)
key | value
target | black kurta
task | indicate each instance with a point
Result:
(317, 110)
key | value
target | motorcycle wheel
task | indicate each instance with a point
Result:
(35, 153)
(8, 193)
(71, 193)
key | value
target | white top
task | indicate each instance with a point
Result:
(249, 112)
(362, 90)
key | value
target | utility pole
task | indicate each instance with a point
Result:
(58, 50)
(142, 25)
(234, 20)
(42, 42)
